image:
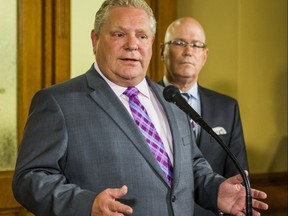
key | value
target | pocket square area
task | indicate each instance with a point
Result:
(219, 130)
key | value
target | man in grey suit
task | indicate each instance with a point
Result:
(82, 153)
(182, 65)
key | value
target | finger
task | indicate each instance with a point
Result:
(244, 213)
(258, 194)
(240, 214)
(103, 202)
(255, 213)
(116, 206)
(259, 205)
(119, 207)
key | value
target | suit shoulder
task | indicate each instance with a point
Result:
(212, 94)
(66, 86)
(63, 91)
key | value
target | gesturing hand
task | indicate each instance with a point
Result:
(232, 197)
(106, 205)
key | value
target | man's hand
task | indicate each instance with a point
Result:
(106, 205)
(232, 197)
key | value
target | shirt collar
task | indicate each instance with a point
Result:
(142, 86)
(192, 91)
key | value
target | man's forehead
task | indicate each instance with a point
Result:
(119, 12)
(121, 19)
(185, 32)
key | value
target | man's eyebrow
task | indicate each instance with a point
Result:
(121, 28)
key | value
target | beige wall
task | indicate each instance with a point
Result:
(82, 21)
(248, 60)
(8, 84)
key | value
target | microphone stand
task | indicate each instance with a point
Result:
(246, 182)
(172, 94)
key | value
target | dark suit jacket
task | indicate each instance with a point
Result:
(219, 110)
(79, 140)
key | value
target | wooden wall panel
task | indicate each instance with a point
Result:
(165, 12)
(29, 56)
(61, 55)
(275, 185)
(43, 49)
(8, 205)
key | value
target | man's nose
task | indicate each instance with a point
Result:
(132, 43)
(188, 50)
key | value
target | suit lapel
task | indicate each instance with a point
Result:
(104, 96)
(206, 106)
(176, 139)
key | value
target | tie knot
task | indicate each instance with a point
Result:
(187, 96)
(131, 92)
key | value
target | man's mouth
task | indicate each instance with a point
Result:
(187, 63)
(129, 59)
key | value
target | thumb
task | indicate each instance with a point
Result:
(237, 179)
(117, 193)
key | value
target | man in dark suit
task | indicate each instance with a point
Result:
(184, 54)
(87, 151)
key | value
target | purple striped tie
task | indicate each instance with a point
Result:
(147, 128)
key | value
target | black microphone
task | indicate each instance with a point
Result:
(172, 94)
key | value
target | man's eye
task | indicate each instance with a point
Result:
(118, 35)
(143, 36)
(197, 44)
(179, 43)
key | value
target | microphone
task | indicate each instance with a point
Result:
(173, 95)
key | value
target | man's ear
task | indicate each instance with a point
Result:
(205, 55)
(94, 39)
(162, 48)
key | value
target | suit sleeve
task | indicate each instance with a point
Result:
(39, 181)
(206, 182)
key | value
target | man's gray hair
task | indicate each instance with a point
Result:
(107, 5)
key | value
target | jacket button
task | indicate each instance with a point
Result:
(173, 198)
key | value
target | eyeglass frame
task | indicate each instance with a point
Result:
(185, 44)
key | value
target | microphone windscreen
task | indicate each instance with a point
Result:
(170, 92)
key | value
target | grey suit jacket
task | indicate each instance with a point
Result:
(79, 140)
(219, 110)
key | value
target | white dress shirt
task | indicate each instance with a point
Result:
(193, 101)
(151, 104)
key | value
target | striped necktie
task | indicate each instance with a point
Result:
(187, 96)
(148, 129)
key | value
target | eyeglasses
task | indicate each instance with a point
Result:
(183, 44)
